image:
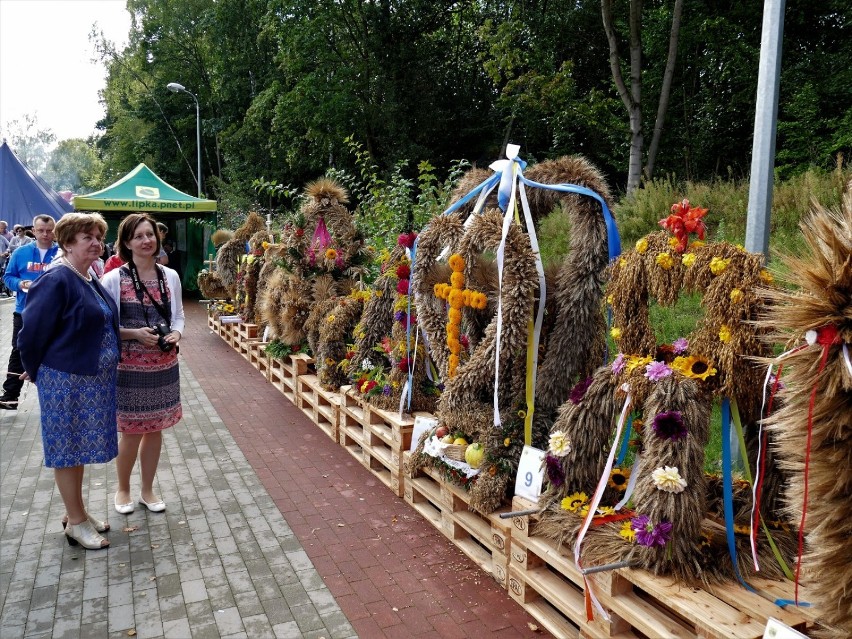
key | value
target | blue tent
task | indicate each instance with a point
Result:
(23, 194)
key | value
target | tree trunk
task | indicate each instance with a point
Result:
(665, 91)
(632, 99)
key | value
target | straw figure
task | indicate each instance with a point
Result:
(334, 333)
(230, 254)
(211, 286)
(323, 256)
(813, 427)
(572, 338)
(248, 276)
(670, 388)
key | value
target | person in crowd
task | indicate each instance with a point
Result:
(4, 230)
(69, 345)
(4, 257)
(114, 260)
(152, 320)
(26, 265)
(162, 231)
(20, 238)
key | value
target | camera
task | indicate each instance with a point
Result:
(163, 329)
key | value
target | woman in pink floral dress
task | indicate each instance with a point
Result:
(151, 318)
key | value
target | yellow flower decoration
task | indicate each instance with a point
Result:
(697, 243)
(718, 265)
(604, 511)
(615, 332)
(456, 262)
(265, 245)
(673, 241)
(641, 245)
(739, 529)
(622, 261)
(688, 259)
(627, 531)
(694, 367)
(766, 276)
(573, 503)
(507, 442)
(664, 260)
(618, 478)
(736, 295)
(329, 361)
(725, 333)
(329, 318)
(610, 299)
(634, 362)
(457, 280)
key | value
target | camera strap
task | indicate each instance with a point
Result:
(141, 290)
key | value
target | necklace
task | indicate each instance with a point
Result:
(87, 277)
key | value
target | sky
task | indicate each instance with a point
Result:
(46, 61)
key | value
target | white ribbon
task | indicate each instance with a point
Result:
(596, 499)
(631, 484)
(846, 358)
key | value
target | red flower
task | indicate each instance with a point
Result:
(407, 239)
(300, 232)
(403, 364)
(370, 385)
(403, 271)
(685, 219)
(402, 287)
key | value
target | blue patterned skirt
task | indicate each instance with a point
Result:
(78, 420)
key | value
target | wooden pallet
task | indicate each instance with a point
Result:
(322, 406)
(486, 540)
(245, 335)
(283, 374)
(544, 580)
(259, 358)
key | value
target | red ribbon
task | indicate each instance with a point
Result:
(826, 336)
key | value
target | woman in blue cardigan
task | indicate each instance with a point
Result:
(69, 347)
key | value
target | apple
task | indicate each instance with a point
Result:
(474, 454)
(447, 439)
(442, 432)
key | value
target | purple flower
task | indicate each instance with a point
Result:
(555, 474)
(647, 534)
(669, 425)
(680, 345)
(579, 390)
(618, 364)
(399, 316)
(655, 371)
(386, 390)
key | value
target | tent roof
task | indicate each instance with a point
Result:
(23, 194)
(142, 190)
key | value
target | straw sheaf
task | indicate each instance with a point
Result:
(663, 284)
(333, 338)
(819, 294)
(685, 510)
(469, 181)
(272, 254)
(249, 285)
(228, 263)
(588, 425)
(220, 236)
(285, 307)
(252, 225)
(211, 286)
(628, 289)
(316, 319)
(327, 189)
(577, 341)
(475, 376)
(442, 231)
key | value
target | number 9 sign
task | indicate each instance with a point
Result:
(530, 473)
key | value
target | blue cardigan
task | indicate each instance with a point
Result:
(63, 324)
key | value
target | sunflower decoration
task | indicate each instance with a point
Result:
(618, 479)
(694, 367)
(574, 502)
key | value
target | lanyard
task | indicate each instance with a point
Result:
(141, 291)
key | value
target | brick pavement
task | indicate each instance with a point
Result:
(272, 530)
(391, 571)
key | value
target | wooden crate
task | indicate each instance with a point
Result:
(259, 359)
(280, 378)
(322, 406)
(486, 540)
(213, 323)
(545, 580)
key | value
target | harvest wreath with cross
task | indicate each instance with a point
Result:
(478, 316)
(666, 514)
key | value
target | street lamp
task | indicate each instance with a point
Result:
(174, 87)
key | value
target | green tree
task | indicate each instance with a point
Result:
(74, 166)
(30, 143)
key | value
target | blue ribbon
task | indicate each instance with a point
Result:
(504, 193)
(727, 489)
(625, 443)
(612, 238)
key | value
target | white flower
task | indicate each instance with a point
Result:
(668, 478)
(559, 444)
(366, 365)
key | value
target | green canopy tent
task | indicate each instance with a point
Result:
(185, 215)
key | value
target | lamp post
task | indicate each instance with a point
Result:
(174, 87)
